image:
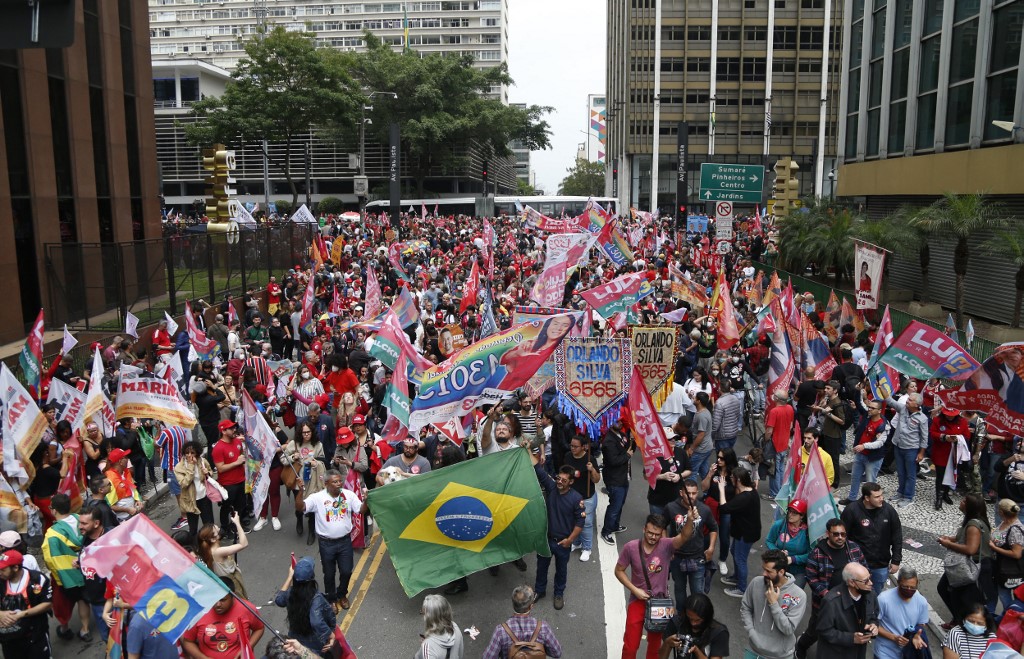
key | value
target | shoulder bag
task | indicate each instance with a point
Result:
(961, 569)
(660, 610)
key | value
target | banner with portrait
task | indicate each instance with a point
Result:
(996, 390)
(592, 378)
(869, 262)
(654, 358)
(545, 375)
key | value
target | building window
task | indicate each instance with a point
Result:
(755, 34)
(964, 49)
(673, 33)
(810, 66)
(750, 4)
(897, 127)
(872, 143)
(857, 44)
(754, 69)
(695, 98)
(902, 17)
(729, 69)
(698, 33)
(672, 64)
(933, 16)
(926, 121)
(785, 37)
(729, 33)
(851, 136)
(900, 73)
(783, 65)
(965, 9)
(853, 97)
(812, 4)
(878, 33)
(1002, 93)
(875, 84)
(929, 78)
(698, 64)
(958, 114)
(811, 38)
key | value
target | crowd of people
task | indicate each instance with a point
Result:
(324, 396)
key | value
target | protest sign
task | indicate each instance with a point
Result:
(654, 358)
(592, 376)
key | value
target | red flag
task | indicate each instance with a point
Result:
(341, 649)
(322, 247)
(336, 305)
(728, 330)
(472, 287)
(790, 311)
(243, 639)
(452, 429)
(647, 430)
(306, 319)
(373, 304)
(232, 314)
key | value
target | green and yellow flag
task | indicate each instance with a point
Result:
(461, 519)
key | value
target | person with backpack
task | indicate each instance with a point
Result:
(833, 413)
(850, 377)
(522, 636)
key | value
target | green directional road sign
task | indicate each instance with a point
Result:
(737, 183)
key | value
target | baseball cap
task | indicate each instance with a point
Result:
(358, 419)
(798, 505)
(119, 454)
(10, 539)
(225, 424)
(304, 570)
(345, 435)
(10, 557)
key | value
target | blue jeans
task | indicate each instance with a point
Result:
(728, 442)
(863, 467)
(879, 576)
(561, 556)
(775, 482)
(97, 618)
(612, 514)
(586, 537)
(906, 472)
(740, 554)
(687, 572)
(655, 510)
(700, 464)
(336, 556)
(988, 469)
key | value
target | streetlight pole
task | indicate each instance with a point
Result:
(832, 183)
(362, 140)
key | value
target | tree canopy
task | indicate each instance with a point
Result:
(585, 179)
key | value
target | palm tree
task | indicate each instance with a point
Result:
(961, 216)
(1009, 244)
(831, 242)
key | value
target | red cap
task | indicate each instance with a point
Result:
(345, 436)
(358, 419)
(225, 424)
(117, 455)
(10, 557)
(949, 411)
(798, 505)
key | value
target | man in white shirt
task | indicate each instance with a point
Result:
(332, 509)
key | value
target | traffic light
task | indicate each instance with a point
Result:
(787, 187)
(219, 164)
(483, 175)
(615, 177)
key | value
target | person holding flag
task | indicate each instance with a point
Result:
(227, 631)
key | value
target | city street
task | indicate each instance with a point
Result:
(384, 623)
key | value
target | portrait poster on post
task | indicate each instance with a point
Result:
(869, 262)
(654, 358)
(592, 378)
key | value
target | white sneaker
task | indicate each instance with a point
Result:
(260, 524)
(723, 568)
(575, 547)
(276, 523)
(584, 556)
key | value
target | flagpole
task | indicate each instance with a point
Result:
(864, 242)
(255, 612)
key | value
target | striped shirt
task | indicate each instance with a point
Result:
(968, 646)
(171, 441)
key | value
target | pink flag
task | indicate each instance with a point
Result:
(647, 430)
(423, 210)
(435, 210)
(205, 347)
(489, 240)
(789, 307)
(816, 491)
(677, 316)
(469, 295)
(373, 305)
(392, 332)
(728, 330)
(306, 319)
(397, 402)
(336, 307)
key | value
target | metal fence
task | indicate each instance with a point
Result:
(92, 286)
(980, 349)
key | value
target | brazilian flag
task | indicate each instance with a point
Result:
(461, 519)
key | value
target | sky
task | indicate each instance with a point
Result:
(556, 57)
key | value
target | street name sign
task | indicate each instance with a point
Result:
(734, 183)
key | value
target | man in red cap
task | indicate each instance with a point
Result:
(123, 497)
(229, 459)
(25, 602)
(947, 428)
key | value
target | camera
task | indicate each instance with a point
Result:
(685, 645)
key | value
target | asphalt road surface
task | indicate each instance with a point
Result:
(384, 623)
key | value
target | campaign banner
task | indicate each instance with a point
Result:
(686, 289)
(69, 401)
(610, 239)
(697, 223)
(815, 489)
(260, 446)
(592, 377)
(486, 371)
(537, 220)
(728, 329)
(391, 341)
(450, 340)
(647, 429)
(654, 358)
(206, 347)
(397, 403)
(923, 352)
(23, 426)
(160, 580)
(542, 380)
(816, 351)
(995, 389)
(883, 380)
(870, 262)
(373, 304)
(149, 397)
(782, 364)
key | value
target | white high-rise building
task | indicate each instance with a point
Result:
(215, 31)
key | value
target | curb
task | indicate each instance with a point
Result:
(162, 490)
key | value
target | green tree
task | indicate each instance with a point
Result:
(961, 216)
(330, 206)
(585, 179)
(524, 189)
(284, 87)
(442, 108)
(1009, 243)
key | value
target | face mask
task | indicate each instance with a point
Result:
(715, 372)
(335, 369)
(306, 376)
(735, 360)
(906, 594)
(973, 629)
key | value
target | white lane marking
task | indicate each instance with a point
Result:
(614, 599)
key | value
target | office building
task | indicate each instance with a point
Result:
(933, 102)
(730, 69)
(214, 34)
(79, 166)
(521, 156)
